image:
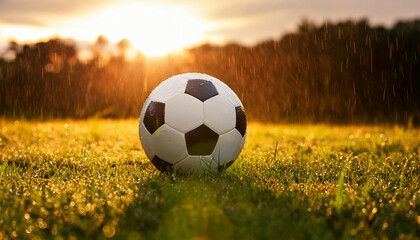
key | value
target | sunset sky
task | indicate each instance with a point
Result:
(157, 27)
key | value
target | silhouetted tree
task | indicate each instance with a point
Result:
(347, 72)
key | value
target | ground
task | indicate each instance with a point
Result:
(91, 179)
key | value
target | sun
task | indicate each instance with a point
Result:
(155, 30)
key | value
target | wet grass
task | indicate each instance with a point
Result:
(91, 180)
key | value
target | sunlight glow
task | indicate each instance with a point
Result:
(155, 30)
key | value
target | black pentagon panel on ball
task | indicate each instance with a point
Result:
(240, 120)
(201, 89)
(154, 116)
(162, 165)
(201, 141)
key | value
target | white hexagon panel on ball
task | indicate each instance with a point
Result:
(169, 144)
(196, 164)
(184, 112)
(226, 156)
(146, 141)
(168, 89)
(225, 91)
(219, 114)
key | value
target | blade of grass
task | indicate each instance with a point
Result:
(2, 170)
(340, 192)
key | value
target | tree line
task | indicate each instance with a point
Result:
(346, 72)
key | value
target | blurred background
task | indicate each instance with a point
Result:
(341, 62)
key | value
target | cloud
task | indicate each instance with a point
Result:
(245, 21)
(265, 19)
(374, 8)
(38, 12)
(33, 12)
(49, 6)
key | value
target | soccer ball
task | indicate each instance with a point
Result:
(191, 123)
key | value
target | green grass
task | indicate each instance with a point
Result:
(91, 179)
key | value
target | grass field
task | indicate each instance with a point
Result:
(91, 179)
